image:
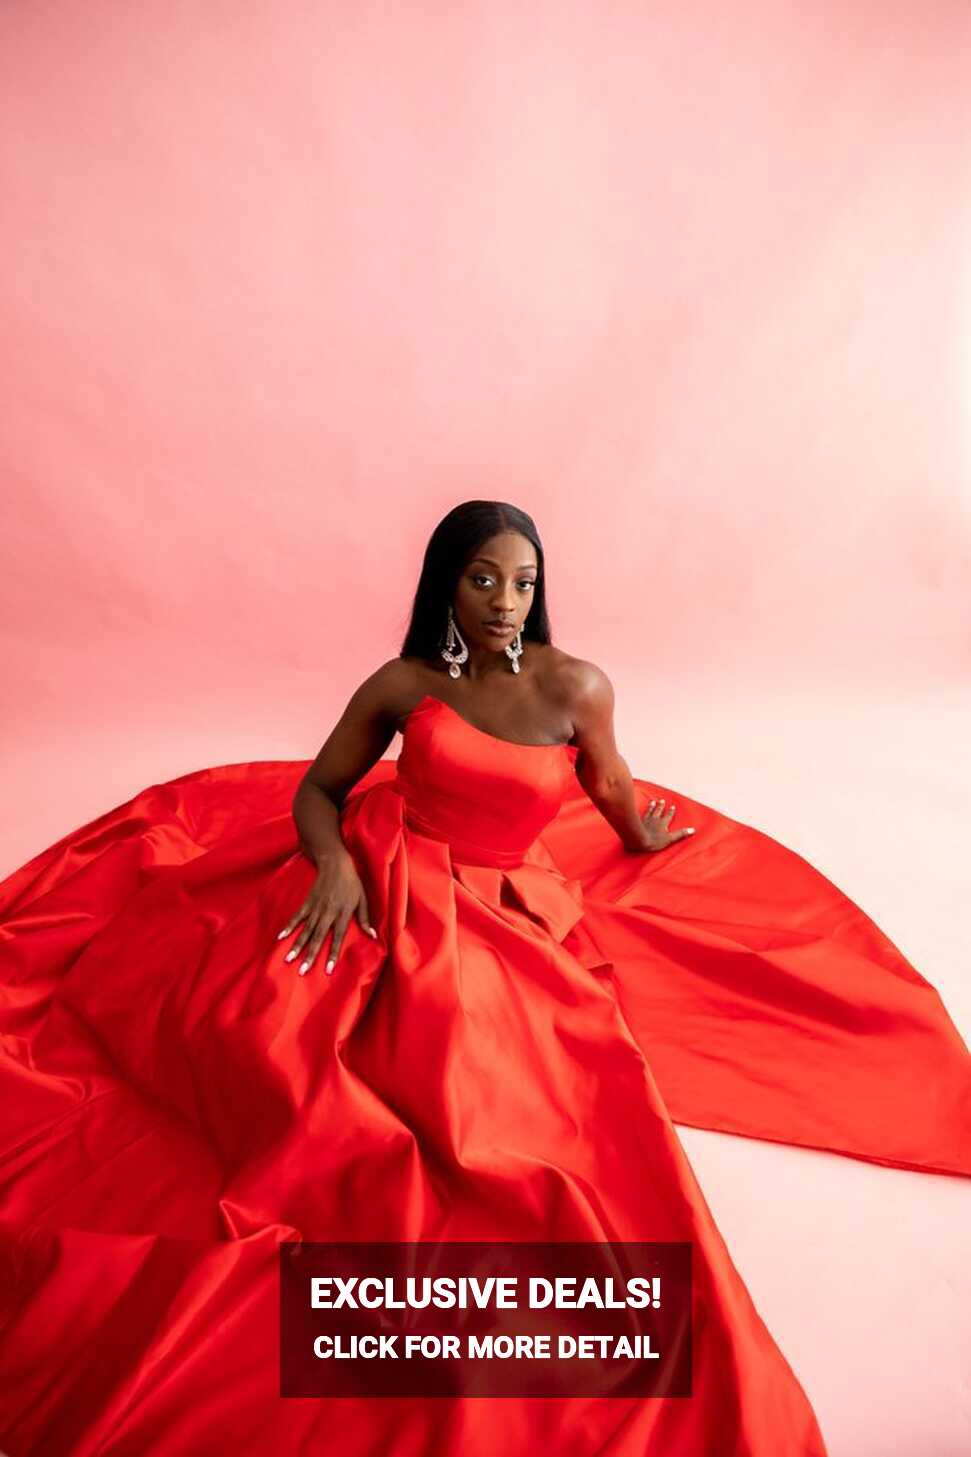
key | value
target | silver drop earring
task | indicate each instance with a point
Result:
(514, 650)
(452, 657)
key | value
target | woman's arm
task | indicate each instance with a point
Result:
(356, 742)
(604, 774)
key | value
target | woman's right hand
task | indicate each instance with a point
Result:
(335, 896)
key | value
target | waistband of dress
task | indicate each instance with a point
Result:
(464, 851)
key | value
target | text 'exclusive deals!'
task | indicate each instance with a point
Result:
(485, 1319)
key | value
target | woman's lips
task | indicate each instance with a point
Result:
(499, 628)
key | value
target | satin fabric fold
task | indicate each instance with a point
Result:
(504, 1062)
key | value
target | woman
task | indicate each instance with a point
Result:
(528, 974)
(498, 598)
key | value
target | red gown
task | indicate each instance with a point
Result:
(504, 1062)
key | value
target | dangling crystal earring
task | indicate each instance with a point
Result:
(452, 657)
(514, 650)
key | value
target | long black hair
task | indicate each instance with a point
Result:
(451, 545)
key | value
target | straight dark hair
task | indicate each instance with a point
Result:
(452, 544)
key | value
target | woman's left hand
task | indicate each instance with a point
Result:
(655, 821)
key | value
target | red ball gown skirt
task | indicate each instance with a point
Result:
(502, 1063)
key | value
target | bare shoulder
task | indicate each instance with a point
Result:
(391, 690)
(397, 678)
(581, 688)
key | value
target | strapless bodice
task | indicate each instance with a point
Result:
(488, 797)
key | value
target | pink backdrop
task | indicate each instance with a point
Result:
(283, 283)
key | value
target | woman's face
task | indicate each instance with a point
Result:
(496, 585)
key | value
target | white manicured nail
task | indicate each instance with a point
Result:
(329, 966)
(305, 967)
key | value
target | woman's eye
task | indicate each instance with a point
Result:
(482, 577)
